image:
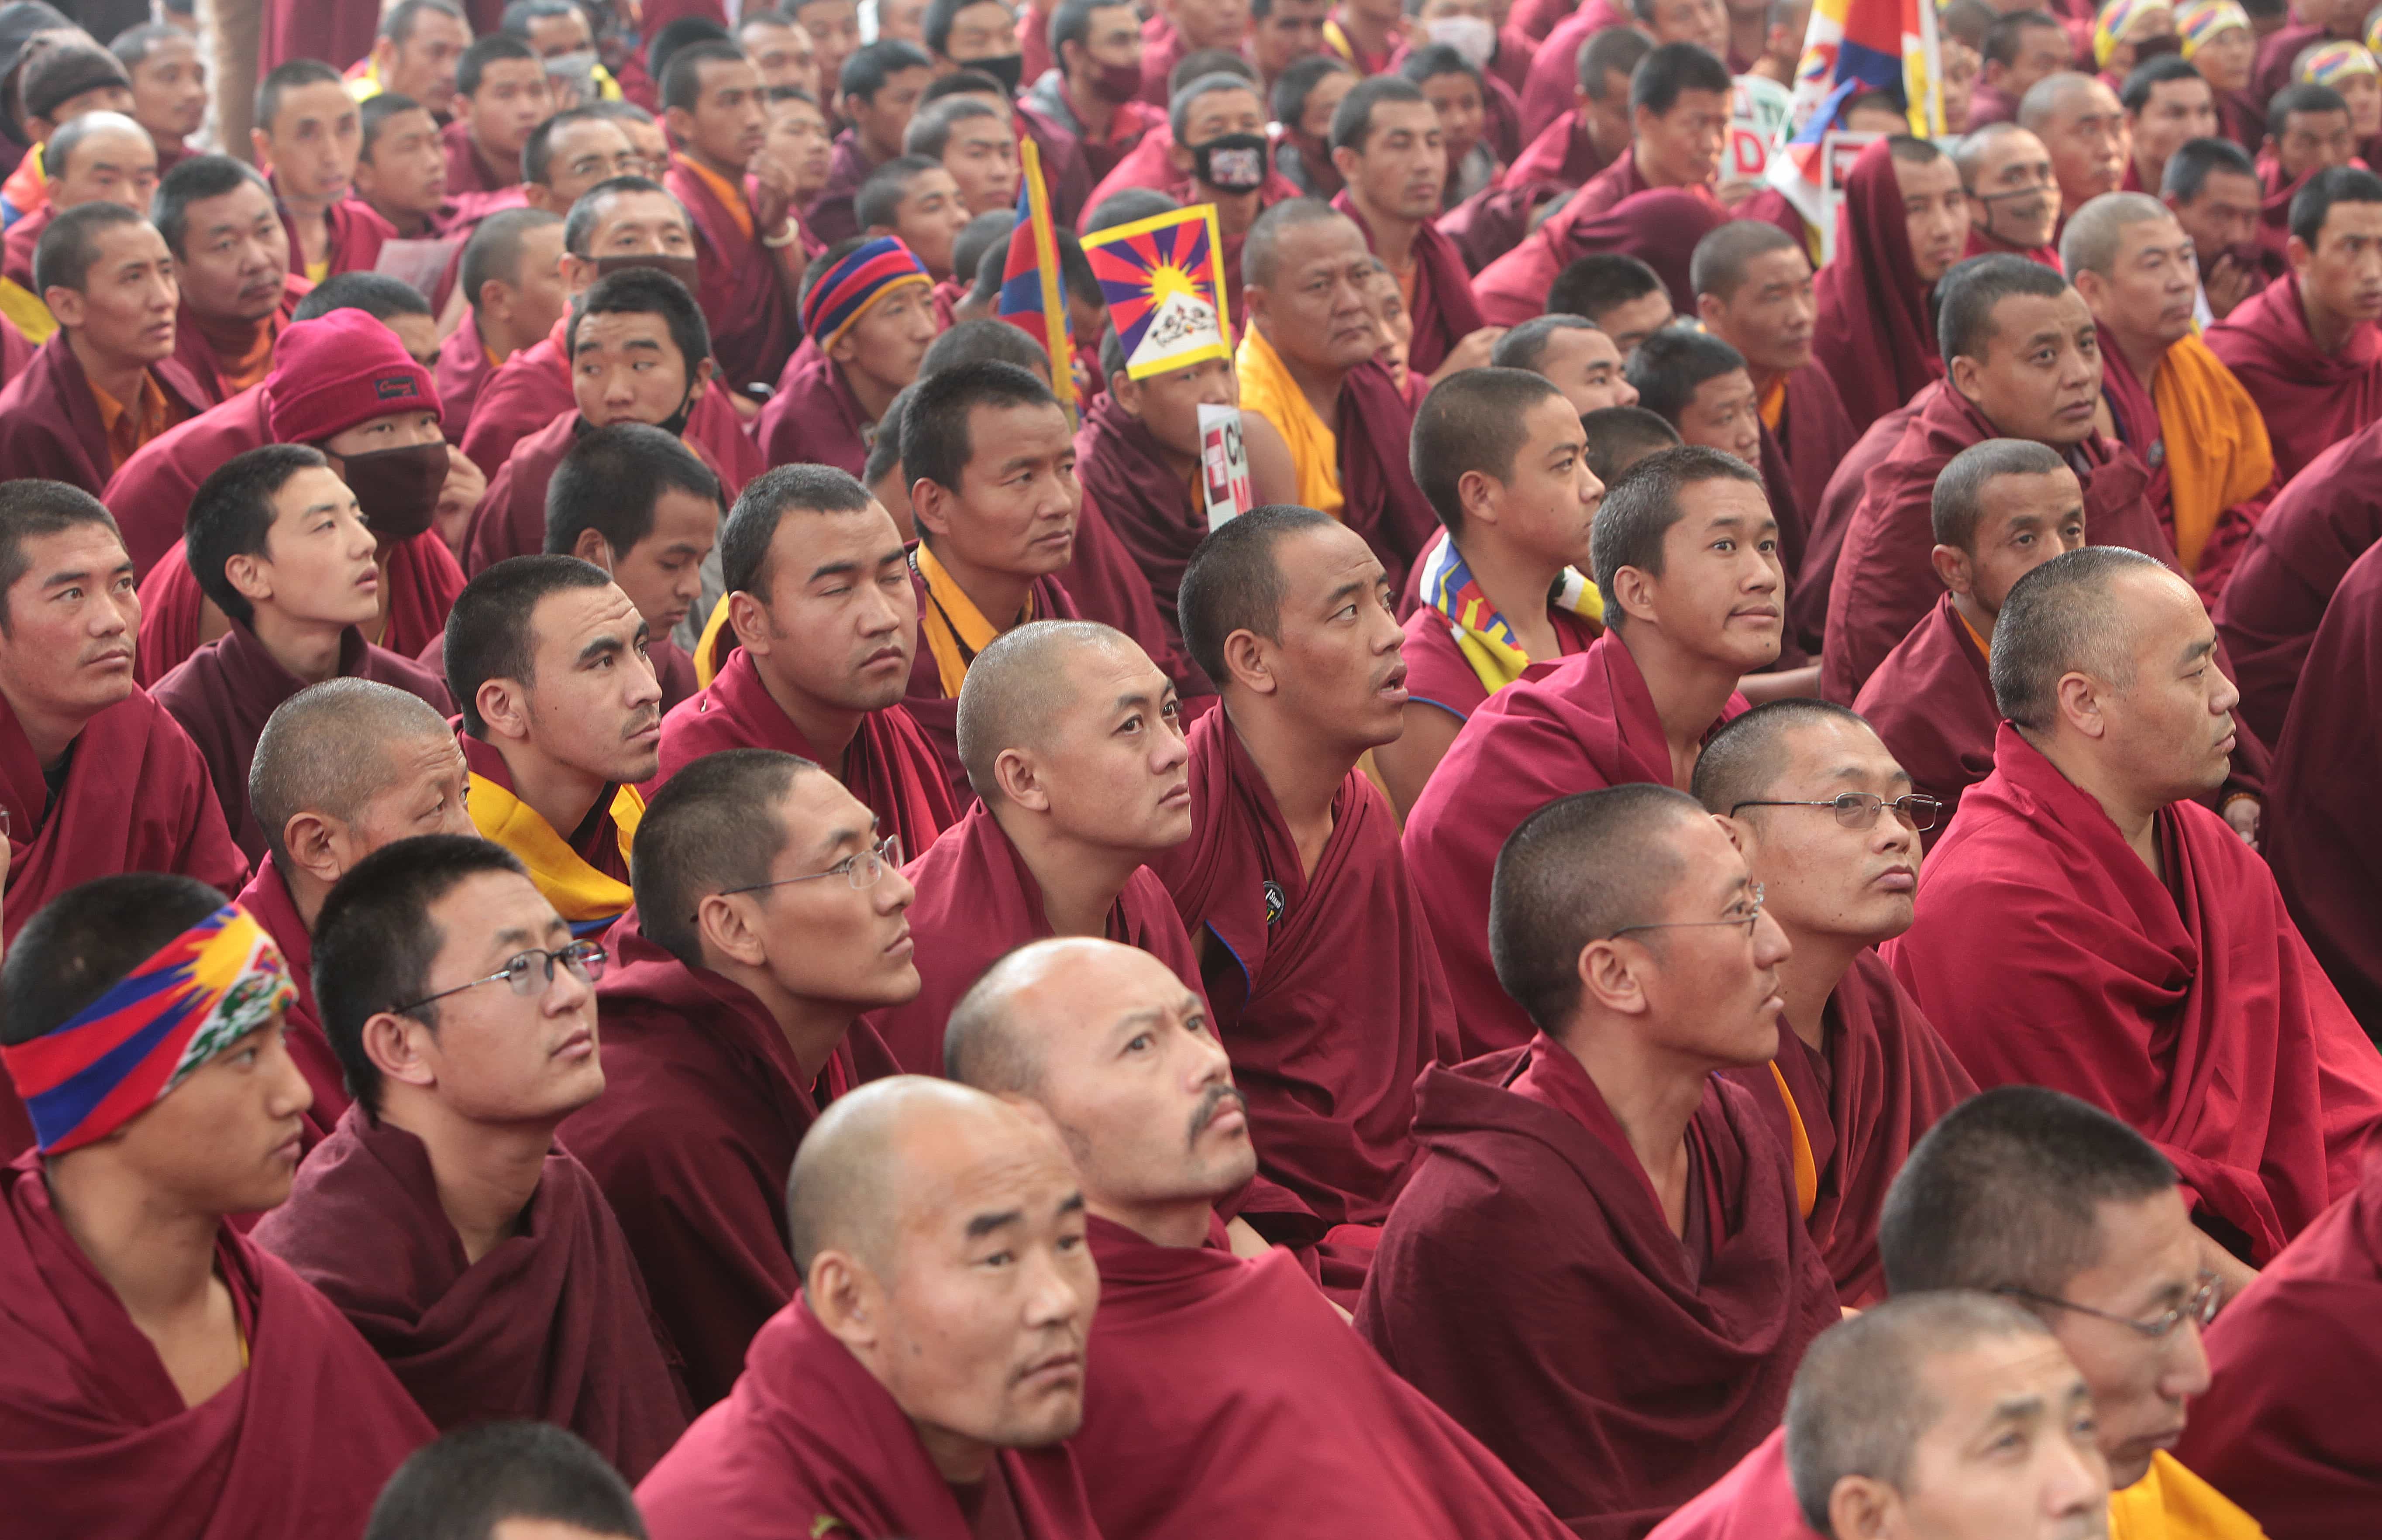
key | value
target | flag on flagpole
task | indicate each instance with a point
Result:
(1851, 46)
(1165, 294)
(1030, 291)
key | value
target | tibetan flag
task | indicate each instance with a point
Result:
(1164, 294)
(1031, 292)
(1851, 46)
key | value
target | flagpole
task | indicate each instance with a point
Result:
(1046, 264)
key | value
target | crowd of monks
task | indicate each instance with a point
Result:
(674, 868)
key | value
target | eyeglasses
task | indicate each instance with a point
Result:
(2199, 1309)
(865, 870)
(530, 971)
(1858, 809)
(1748, 920)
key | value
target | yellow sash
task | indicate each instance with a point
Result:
(1268, 390)
(955, 629)
(578, 892)
(25, 310)
(1807, 1170)
(2173, 1504)
(2218, 452)
(704, 671)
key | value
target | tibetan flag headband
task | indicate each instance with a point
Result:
(2117, 19)
(2335, 62)
(844, 292)
(2195, 25)
(203, 991)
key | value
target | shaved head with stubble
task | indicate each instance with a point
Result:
(347, 766)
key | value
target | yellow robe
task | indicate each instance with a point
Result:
(2218, 452)
(2172, 1504)
(1268, 389)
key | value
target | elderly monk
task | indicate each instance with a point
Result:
(642, 505)
(472, 1250)
(868, 316)
(510, 275)
(1670, 1286)
(1900, 226)
(2211, 186)
(501, 1479)
(1307, 366)
(1684, 550)
(770, 915)
(1387, 145)
(341, 769)
(926, 1381)
(1503, 457)
(232, 261)
(144, 1336)
(2037, 1197)
(1574, 353)
(2306, 349)
(1829, 825)
(501, 94)
(748, 254)
(1316, 958)
(1999, 509)
(100, 158)
(810, 650)
(106, 382)
(2167, 104)
(278, 543)
(2082, 122)
(308, 132)
(2013, 194)
(2091, 891)
(1192, 1338)
(561, 717)
(2163, 393)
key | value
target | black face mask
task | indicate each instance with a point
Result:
(681, 268)
(398, 489)
(1007, 68)
(1231, 163)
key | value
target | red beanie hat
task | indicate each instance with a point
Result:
(338, 370)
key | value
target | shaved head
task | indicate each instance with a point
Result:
(1744, 758)
(2050, 96)
(2097, 231)
(1720, 260)
(1017, 686)
(860, 1169)
(326, 750)
(1260, 254)
(2061, 619)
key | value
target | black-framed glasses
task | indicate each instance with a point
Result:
(1858, 809)
(2199, 1309)
(1748, 920)
(864, 870)
(529, 972)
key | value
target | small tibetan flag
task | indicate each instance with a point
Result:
(1165, 296)
(1031, 293)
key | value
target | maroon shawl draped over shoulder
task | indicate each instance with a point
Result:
(1580, 725)
(96, 1440)
(1382, 504)
(1326, 990)
(1876, 334)
(814, 416)
(1815, 434)
(1562, 153)
(356, 232)
(889, 765)
(811, 1444)
(1618, 211)
(1529, 1284)
(195, 353)
(1932, 704)
(1147, 506)
(422, 579)
(462, 371)
(692, 1141)
(743, 298)
(1754, 1501)
(2311, 399)
(550, 1326)
(50, 425)
(511, 520)
(1226, 1398)
(1551, 87)
(1443, 311)
(266, 899)
(151, 494)
(1806, 591)
(529, 388)
(2046, 952)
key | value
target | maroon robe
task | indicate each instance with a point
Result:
(49, 424)
(196, 354)
(889, 765)
(1152, 511)
(1815, 434)
(511, 520)
(1581, 724)
(814, 415)
(151, 494)
(463, 369)
(2311, 399)
(1551, 87)
(355, 232)
(266, 899)
(1932, 704)
(224, 694)
(1064, 168)
(96, 1440)
(1438, 674)
(1881, 1079)
(423, 583)
(2278, 51)
(1443, 311)
(1162, 49)
(1989, 104)
(1562, 153)
(744, 296)
(468, 170)
(336, 35)
(692, 1141)
(1808, 589)
(939, 715)
(1226, 1398)
(1382, 501)
(1324, 987)
(530, 388)
(1529, 1283)
(550, 1326)
(2046, 952)
(830, 216)
(977, 902)
(811, 1443)
(2135, 412)
(1107, 584)
(1876, 332)
(1658, 225)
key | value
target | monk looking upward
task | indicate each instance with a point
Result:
(2083, 871)
(144, 1331)
(561, 719)
(770, 915)
(1684, 551)
(1574, 353)
(473, 1252)
(1829, 825)
(2081, 121)
(1645, 1201)
(278, 543)
(868, 316)
(233, 264)
(2000, 510)
(501, 94)
(926, 1380)
(637, 503)
(341, 769)
(748, 256)
(1120, 1055)
(810, 652)
(499, 1478)
(2013, 193)
(510, 275)
(308, 132)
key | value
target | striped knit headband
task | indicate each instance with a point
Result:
(843, 293)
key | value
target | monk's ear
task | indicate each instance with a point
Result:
(1862, 1507)
(1127, 391)
(2078, 698)
(316, 844)
(1345, 160)
(703, 373)
(929, 508)
(2298, 253)
(1952, 569)
(1708, 309)
(843, 1297)
(726, 929)
(250, 577)
(578, 272)
(66, 304)
(394, 1044)
(1963, 373)
(1607, 975)
(845, 349)
(1245, 656)
(1476, 493)
(504, 707)
(257, 138)
(1635, 591)
(1736, 830)
(1020, 780)
(744, 617)
(2090, 285)
(458, 106)
(1179, 156)
(592, 548)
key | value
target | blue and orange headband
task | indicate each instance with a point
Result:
(197, 994)
(863, 275)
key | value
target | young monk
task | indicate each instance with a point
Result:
(2307, 349)
(232, 261)
(501, 94)
(769, 916)
(810, 652)
(1188, 1332)
(561, 716)
(2014, 199)
(1594, 130)
(748, 252)
(1684, 550)
(915, 199)
(144, 1333)
(906, 1195)
(868, 317)
(1701, 386)
(2309, 130)
(2211, 186)
(1901, 226)
(1829, 825)
(1503, 457)
(2081, 869)
(278, 543)
(510, 275)
(496, 1478)
(876, 91)
(308, 132)
(169, 86)
(98, 157)
(341, 769)
(1634, 1287)
(1999, 509)
(637, 503)
(1574, 353)
(400, 171)
(2167, 104)
(474, 1253)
